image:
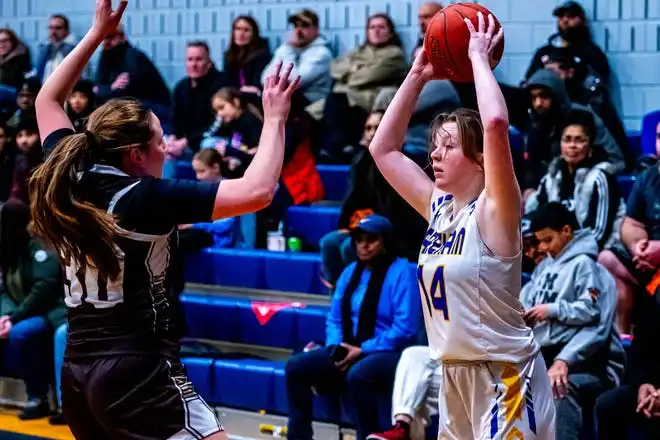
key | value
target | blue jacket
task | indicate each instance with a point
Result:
(399, 309)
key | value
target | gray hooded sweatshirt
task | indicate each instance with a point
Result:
(550, 80)
(582, 297)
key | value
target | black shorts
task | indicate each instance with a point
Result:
(133, 397)
(625, 257)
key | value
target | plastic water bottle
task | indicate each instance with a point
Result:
(276, 240)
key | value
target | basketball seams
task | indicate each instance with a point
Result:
(469, 77)
(455, 67)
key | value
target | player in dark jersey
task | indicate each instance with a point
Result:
(98, 200)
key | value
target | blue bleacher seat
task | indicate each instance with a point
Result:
(256, 270)
(635, 142)
(244, 383)
(335, 181)
(199, 371)
(311, 223)
(649, 124)
(234, 320)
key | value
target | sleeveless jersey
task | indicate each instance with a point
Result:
(469, 296)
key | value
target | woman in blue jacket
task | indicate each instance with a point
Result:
(374, 314)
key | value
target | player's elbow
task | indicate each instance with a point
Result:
(498, 123)
(261, 197)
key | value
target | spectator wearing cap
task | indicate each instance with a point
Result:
(570, 304)
(29, 156)
(27, 95)
(375, 313)
(309, 52)
(583, 180)
(548, 108)
(572, 33)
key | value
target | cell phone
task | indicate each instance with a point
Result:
(339, 352)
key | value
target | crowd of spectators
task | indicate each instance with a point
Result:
(593, 257)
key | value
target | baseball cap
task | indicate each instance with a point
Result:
(526, 226)
(570, 8)
(374, 224)
(306, 16)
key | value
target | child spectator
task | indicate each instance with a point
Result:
(80, 104)
(582, 180)
(239, 232)
(29, 156)
(27, 95)
(570, 303)
(239, 130)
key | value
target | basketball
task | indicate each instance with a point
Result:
(447, 39)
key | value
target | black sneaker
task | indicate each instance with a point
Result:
(57, 418)
(35, 409)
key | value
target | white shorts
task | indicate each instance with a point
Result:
(500, 401)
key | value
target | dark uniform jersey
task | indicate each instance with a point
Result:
(133, 314)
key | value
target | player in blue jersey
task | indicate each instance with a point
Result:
(495, 384)
(99, 201)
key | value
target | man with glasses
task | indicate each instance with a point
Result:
(308, 50)
(51, 53)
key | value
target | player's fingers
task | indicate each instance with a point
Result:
(293, 85)
(284, 79)
(497, 38)
(490, 31)
(470, 26)
(121, 8)
(276, 74)
(480, 21)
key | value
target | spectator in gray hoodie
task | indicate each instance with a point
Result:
(549, 104)
(310, 55)
(570, 303)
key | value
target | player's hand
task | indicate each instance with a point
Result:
(107, 20)
(5, 326)
(422, 69)
(558, 374)
(536, 314)
(647, 399)
(277, 93)
(483, 39)
(353, 354)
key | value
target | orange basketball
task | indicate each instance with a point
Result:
(447, 39)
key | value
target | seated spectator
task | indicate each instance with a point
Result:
(358, 77)
(31, 307)
(636, 261)
(60, 43)
(29, 156)
(192, 113)
(125, 71)
(80, 104)
(572, 32)
(418, 378)
(238, 133)
(634, 407)
(237, 232)
(247, 57)
(310, 55)
(7, 161)
(570, 304)
(15, 60)
(375, 313)
(583, 181)
(587, 89)
(549, 106)
(27, 95)
(369, 192)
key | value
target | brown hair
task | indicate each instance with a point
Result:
(229, 94)
(237, 56)
(209, 157)
(394, 40)
(67, 222)
(13, 38)
(470, 131)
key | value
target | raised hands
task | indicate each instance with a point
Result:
(422, 69)
(483, 40)
(277, 93)
(106, 19)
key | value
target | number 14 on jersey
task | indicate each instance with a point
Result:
(435, 295)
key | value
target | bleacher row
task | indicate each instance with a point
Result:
(258, 385)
